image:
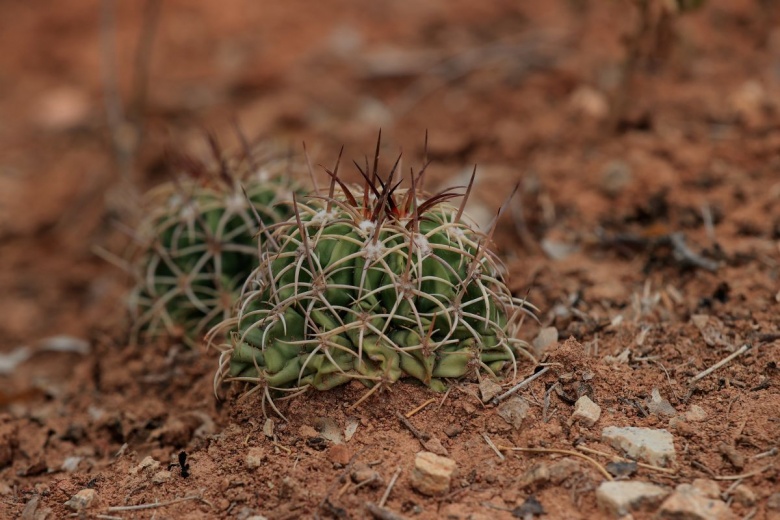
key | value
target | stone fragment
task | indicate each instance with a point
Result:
(489, 389)
(255, 457)
(734, 457)
(547, 337)
(339, 454)
(586, 411)
(706, 487)
(432, 473)
(536, 474)
(307, 432)
(657, 405)
(452, 430)
(162, 476)
(687, 503)
(773, 502)
(514, 410)
(620, 498)
(745, 495)
(81, 500)
(695, 414)
(147, 464)
(648, 444)
(363, 474)
(562, 469)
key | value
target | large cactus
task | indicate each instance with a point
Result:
(373, 284)
(198, 241)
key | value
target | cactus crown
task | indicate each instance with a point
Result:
(372, 284)
(196, 244)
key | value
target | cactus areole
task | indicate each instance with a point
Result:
(373, 284)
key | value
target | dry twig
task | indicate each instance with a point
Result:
(114, 509)
(390, 486)
(520, 385)
(623, 459)
(719, 364)
(593, 461)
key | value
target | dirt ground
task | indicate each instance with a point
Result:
(646, 229)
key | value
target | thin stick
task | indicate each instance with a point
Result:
(114, 509)
(421, 436)
(426, 403)
(713, 368)
(744, 475)
(390, 487)
(446, 394)
(365, 396)
(593, 461)
(520, 385)
(493, 446)
(623, 459)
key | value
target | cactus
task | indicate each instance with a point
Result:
(373, 284)
(196, 244)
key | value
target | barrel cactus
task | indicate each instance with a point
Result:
(373, 284)
(198, 240)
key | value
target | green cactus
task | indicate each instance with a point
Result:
(373, 284)
(196, 244)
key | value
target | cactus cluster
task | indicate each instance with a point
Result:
(372, 283)
(198, 239)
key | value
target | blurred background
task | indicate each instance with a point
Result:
(593, 108)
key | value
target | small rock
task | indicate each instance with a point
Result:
(432, 473)
(255, 457)
(5, 489)
(695, 414)
(686, 503)
(536, 474)
(307, 432)
(328, 429)
(563, 469)
(514, 411)
(586, 411)
(350, 429)
(434, 445)
(622, 497)
(148, 464)
(547, 337)
(339, 454)
(657, 405)
(489, 389)
(615, 177)
(268, 428)
(706, 487)
(81, 500)
(745, 495)
(773, 502)
(590, 102)
(71, 464)
(452, 430)
(363, 474)
(162, 476)
(734, 457)
(621, 468)
(653, 446)
(257, 517)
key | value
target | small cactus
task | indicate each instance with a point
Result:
(373, 284)
(197, 244)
